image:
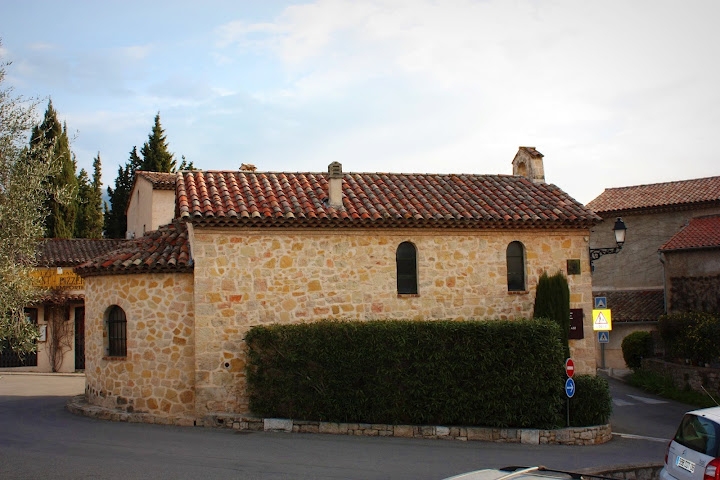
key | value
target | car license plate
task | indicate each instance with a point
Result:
(685, 464)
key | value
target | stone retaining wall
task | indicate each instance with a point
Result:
(687, 376)
(628, 472)
(594, 435)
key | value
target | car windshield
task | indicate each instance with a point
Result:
(699, 433)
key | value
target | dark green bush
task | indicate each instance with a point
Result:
(635, 347)
(591, 404)
(552, 301)
(692, 336)
(495, 374)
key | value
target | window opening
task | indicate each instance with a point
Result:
(516, 267)
(406, 260)
(117, 332)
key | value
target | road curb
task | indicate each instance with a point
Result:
(580, 436)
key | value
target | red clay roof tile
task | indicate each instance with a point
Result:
(658, 195)
(159, 180)
(700, 232)
(60, 252)
(166, 249)
(376, 200)
(634, 305)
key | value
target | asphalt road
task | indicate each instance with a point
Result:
(39, 439)
(642, 414)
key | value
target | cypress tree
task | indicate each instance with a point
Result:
(51, 137)
(89, 220)
(115, 219)
(155, 154)
(552, 301)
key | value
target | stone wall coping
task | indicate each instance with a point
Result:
(593, 435)
(644, 471)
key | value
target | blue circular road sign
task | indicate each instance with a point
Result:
(570, 387)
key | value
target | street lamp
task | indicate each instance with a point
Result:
(619, 229)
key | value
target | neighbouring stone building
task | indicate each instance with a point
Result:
(636, 281)
(60, 314)
(166, 314)
(691, 266)
(151, 202)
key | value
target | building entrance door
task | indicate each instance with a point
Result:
(80, 338)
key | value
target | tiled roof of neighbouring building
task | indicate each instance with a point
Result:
(61, 252)
(166, 249)
(383, 200)
(700, 232)
(658, 195)
(159, 180)
(634, 305)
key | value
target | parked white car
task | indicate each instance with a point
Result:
(693, 452)
(524, 473)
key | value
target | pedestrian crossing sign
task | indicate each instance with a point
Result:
(602, 320)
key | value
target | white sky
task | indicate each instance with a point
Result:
(613, 93)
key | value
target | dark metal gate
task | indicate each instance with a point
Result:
(80, 338)
(8, 358)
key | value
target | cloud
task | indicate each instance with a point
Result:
(596, 85)
(613, 93)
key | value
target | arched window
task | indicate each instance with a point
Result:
(516, 267)
(116, 332)
(406, 261)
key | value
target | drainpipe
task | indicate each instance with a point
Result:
(661, 256)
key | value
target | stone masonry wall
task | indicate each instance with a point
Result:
(637, 265)
(157, 376)
(258, 277)
(700, 379)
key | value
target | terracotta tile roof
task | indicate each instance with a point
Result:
(61, 298)
(376, 200)
(700, 232)
(166, 249)
(634, 305)
(658, 195)
(159, 180)
(532, 151)
(59, 252)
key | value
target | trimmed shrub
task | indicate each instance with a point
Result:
(494, 374)
(592, 403)
(635, 347)
(552, 301)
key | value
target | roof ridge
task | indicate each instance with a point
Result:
(375, 199)
(671, 182)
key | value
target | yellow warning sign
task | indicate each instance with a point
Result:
(602, 320)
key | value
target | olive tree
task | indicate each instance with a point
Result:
(23, 170)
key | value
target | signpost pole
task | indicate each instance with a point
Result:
(568, 412)
(602, 356)
(569, 385)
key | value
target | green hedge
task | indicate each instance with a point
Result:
(691, 336)
(494, 374)
(635, 347)
(592, 403)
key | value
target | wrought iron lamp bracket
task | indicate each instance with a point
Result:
(596, 253)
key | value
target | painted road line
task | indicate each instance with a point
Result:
(641, 437)
(651, 401)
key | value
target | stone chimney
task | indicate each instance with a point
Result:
(528, 163)
(335, 185)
